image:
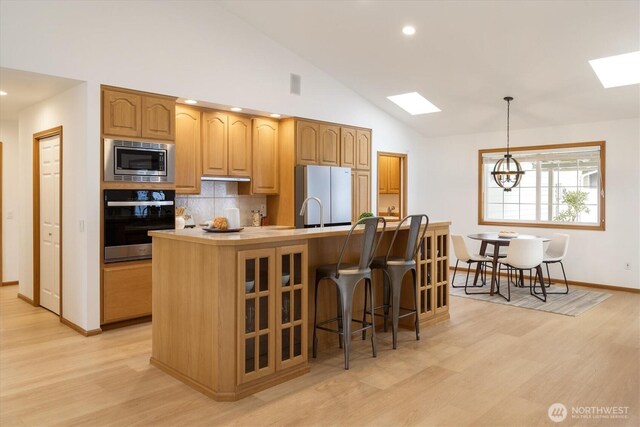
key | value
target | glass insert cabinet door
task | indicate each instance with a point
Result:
(256, 320)
(272, 310)
(291, 306)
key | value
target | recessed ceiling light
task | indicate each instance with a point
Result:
(236, 109)
(413, 103)
(618, 70)
(190, 101)
(408, 30)
(3, 93)
(275, 115)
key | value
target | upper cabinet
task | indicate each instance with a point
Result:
(226, 144)
(307, 142)
(348, 147)
(215, 143)
(138, 115)
(363, 149)
(329, 145)
(388, 175)
(122, 113)
(394, 175)
(265, 157)
(239, 151)
(188, 165)
(158, 118)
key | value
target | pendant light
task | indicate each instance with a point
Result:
(507, 172)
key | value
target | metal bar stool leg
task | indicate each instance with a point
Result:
(315, 321)
(339, 316)
(373, 320)
(415, 300)
(367, 285)
(346, 293)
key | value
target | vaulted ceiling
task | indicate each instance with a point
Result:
(465, 56)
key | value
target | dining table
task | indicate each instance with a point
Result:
(498, 241)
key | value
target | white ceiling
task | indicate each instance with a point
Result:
(25, 89)
(465, 56)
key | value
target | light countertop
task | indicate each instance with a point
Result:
(268, 234)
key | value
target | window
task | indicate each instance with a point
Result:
(562, 187)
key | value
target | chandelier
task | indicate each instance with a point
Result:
(507, 172)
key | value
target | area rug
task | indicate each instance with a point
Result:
(576, 302)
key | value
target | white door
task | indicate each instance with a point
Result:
(50, 223)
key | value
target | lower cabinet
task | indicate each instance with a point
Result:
(272, 311)
(126, 291)
(433, 274)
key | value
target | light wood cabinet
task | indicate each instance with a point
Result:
(239, 150)
(133, 114)
(256, 314)
(329, 145)
(433, 275)
(264, 178)
(214, 143)
(291, 306)
(188, 165)
(383, 174)
(273, 286)
(348, 147)
(388, 175)
(126, 292)
(307, 142)
(361, 193)
(226, 144)
(121, 113)
(158, 118)
(393, 175)
(363, 149)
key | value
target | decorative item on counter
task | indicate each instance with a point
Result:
(220, 223)
(264, 221)
(256, 218)
(233, 217)
(180, 221)
(365, 215)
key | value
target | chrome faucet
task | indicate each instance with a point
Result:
(390, 209)
(304, 208)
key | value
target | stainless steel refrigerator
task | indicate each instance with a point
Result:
(332, 185)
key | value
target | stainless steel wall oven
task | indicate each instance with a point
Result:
(129, 215)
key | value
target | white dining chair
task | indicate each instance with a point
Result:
(462, 254)
(524, 254)
(555, 253)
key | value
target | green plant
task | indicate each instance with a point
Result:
(365, 215)
(576, 204)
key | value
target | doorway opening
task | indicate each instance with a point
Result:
(392, 185)
(47, 220)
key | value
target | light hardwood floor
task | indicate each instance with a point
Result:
(488, 365)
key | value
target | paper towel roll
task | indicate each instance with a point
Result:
(233, 217)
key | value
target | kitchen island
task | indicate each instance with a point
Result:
(231, 311)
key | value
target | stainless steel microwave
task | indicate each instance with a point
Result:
(135, 161)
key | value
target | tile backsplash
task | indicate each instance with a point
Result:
(215, 196)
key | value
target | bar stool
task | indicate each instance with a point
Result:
(346, 277)
(394, 269)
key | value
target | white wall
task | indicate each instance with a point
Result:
(68, 110)
(10, 202)
(185, 48)
(451, 174)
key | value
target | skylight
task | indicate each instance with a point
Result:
(618, 70)
(413, 103)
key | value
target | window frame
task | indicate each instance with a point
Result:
(602, 201)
